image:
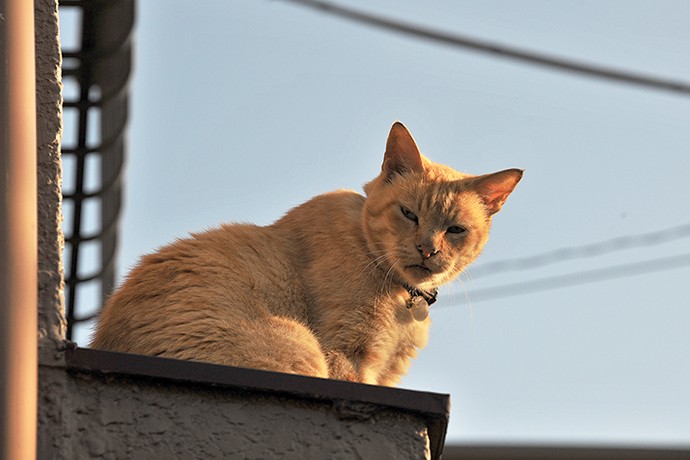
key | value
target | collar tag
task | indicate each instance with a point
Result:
(419, 308)
(420, 301)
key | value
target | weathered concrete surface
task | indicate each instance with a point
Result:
(51, 320)
(113, 417)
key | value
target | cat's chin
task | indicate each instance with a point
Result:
(418, 273)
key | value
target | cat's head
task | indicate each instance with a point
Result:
(425, 222)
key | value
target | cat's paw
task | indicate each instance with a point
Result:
(341, 368)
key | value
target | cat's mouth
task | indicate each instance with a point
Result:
(419, 270)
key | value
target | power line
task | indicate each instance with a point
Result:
(579, 278)
(585, 251)
(499, 50)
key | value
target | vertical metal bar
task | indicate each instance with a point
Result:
(18, 232)
(85, 72)
(104, 64)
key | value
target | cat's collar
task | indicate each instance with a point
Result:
(419, 302)
(429, 296)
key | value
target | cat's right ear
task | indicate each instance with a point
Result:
(402, 154)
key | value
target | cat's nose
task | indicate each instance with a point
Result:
(426, 250)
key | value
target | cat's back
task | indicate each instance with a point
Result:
(229, 271)
(219, 274)
(333, 213)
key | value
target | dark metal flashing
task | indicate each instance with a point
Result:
(526, 452)
(433, 407)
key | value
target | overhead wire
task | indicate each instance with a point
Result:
(500, 50)
(597, 249)
(583, 277)
(578, 278)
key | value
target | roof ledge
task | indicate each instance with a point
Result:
(349, 401)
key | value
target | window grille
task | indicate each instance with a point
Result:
(97, 62)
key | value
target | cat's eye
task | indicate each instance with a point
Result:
(456, 229)
(409, 214)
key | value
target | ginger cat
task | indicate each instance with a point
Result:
(340, 287)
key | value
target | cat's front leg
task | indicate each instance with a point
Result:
(340, 367)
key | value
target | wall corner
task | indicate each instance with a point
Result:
(51, 318)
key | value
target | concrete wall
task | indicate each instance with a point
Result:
(98, 404)
(51, 320)
(116, 417)
(98, 413)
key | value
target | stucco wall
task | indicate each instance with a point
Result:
(115, 417)
(51, 321)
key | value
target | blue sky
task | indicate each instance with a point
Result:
(242, 110)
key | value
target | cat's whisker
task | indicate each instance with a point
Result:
(451, 294)
(466, 275)
(388, 277)
(376, 263)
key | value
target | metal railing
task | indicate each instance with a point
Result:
(96, 72)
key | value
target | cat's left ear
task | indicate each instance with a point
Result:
(495, 188)
(402, 154)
